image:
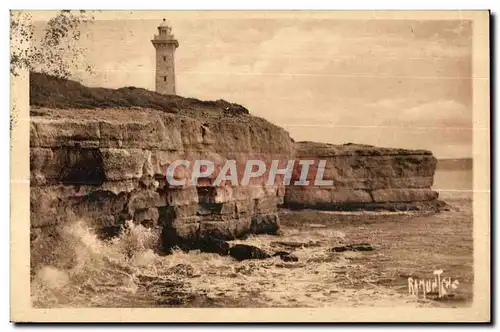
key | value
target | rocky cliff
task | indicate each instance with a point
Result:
(108, 165)
(363, 177)
(101, 156)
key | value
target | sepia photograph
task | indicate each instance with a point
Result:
(294, 165)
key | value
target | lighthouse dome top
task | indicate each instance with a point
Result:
(164, 35)
(164, 24)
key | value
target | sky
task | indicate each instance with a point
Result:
(385, 82)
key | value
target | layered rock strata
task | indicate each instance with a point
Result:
(362, 177)
(109, 165)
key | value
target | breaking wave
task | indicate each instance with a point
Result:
(125, 271)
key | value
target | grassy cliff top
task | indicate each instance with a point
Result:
(53, 92)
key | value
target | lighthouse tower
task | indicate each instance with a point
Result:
(165, 45)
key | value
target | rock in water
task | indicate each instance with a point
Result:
(294, 245)
(243, 251)
(353, 247)
(265, 224)
(286, 256)
(212, 244)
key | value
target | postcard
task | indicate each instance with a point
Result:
(250, 166)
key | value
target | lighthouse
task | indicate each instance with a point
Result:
(165, 45)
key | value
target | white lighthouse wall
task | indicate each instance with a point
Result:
(165, 68)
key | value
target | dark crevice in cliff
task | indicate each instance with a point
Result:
(106, 211)
(84, 167)
(108, 232)
(370, 192)
(206, 195)
(203, 133)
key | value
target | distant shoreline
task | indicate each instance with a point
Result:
(454, 164)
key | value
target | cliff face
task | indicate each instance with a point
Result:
(108, 165)
(364, 177)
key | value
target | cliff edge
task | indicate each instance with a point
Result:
(101, 155)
